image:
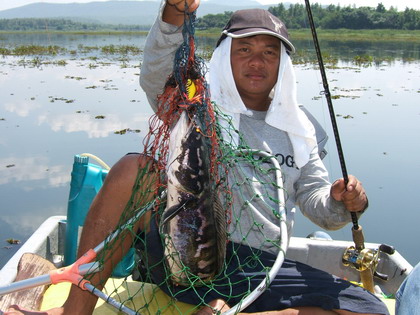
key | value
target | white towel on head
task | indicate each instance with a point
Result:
(283, 113)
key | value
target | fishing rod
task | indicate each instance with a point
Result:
(357, 232)
(327, 94)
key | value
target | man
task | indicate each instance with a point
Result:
(407, 296)
(251, 62)
(252, 55)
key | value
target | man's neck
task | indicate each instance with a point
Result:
(257, 104)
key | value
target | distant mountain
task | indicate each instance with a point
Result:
(117, 12)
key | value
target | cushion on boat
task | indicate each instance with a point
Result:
(144, 293)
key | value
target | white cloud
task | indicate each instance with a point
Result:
(82, 122)
(21, 108)
(26, 223)
(33, 168)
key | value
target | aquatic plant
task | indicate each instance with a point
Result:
(363, 60)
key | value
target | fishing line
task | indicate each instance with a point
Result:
(327, 94)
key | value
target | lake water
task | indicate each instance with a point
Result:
(53, 107)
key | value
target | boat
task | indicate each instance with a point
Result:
(326, 254)
(336, 257)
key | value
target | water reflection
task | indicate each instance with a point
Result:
(26, 170)
(346, 50)
(51, 111)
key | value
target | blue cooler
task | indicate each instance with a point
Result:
(86, 180)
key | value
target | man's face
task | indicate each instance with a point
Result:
(255, 64)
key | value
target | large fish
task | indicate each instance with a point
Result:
(193, 223)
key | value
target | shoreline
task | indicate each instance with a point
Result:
(386, 35)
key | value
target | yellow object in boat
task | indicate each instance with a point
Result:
(136, 294)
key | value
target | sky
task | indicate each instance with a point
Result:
(399, 4)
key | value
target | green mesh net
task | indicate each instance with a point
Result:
(197, 185)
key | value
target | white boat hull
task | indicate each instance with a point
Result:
(48, 242)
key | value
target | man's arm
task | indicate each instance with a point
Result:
(163, 40)
(313, 195)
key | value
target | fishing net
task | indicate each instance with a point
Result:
(179, 248)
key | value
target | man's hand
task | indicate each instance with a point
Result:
(213, 307)
(174, 10)
(353, 196)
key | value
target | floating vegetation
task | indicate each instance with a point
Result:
(60, 62)
(336, 97)
(93, 53)
(10, 165)
(363, 60)
(100, 117)
(27, 50)
(345, 116)
(127, 130)
(13, 241)
(123, 49)
(74, 78)
(36, 62)
(329, 59)
(67, 101)
(86, 49)
(5, 51)
(123, 53)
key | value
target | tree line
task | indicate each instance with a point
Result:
(331, 17)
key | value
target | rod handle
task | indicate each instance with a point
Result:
(358, 237)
